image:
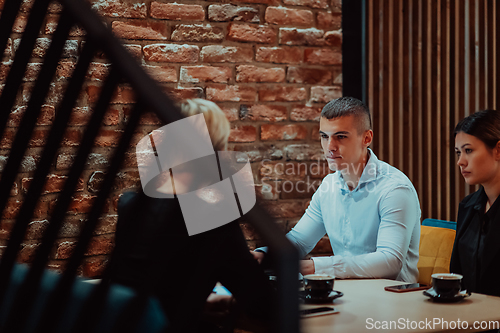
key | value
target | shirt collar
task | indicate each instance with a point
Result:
(369, 173)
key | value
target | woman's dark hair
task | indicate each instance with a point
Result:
(484, 125)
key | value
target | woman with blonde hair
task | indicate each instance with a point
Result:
(159, 256)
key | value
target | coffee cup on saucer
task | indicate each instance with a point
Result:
(318, 285)
(446, 284)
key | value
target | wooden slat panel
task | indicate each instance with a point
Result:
(430, 63)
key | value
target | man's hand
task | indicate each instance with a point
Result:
(307, 267)
(259, 256)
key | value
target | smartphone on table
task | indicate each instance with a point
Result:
(317, 311)
(407, 287)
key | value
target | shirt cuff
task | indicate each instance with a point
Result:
(323, 265)
(261, 249)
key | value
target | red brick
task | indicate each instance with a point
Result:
(36, 229)
(122, 95)
(323, 56)
(20, 23)
(243, 133)
(308, 3)
(101, 245)
(149, 118)
(42, 44)
(286, 16)
(13, 206)
(196, 74)
(95, 181)
(337, 75)
(293, 36)
(174, 11)
(325, 94)
(140, 30)
(94, 267)
(283, 209)
(329, 21)
(162, 73)
(260, 152)
(28, 163)
(94, 160)
(261, 112)
(229, 12)
(304, 152)
(265, 2)
(333, 38)
(64, 249)
(336, 6)
(72, 138)
(280, 55)
(221, 93)
(47, 114)
(53, 184)
(8, 49)
(80, 116)
(27, 252)
(282, 94)
(197, 33)
(232, 113)
(111, 117)
(38, 138)
(51, 25)
(107, 225)
(120, 8)
(282, 132)
(171, 53)
(123, 181)
(309, 75)
(268, 190)
(65, 70)
(7, 139)
(283, 171)
(305, 113)
(135, 50)
(251, 33)
(218, 53)
(179, 94)
(108, 138)
(248, 73)
(315, 133)
(81, 203)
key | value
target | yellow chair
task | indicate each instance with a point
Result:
(436, 245)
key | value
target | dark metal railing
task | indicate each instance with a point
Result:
(148, 97)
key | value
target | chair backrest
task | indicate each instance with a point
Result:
(440, 223)
(124, 69)
(436, 245)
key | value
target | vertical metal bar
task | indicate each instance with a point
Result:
(92, 306)
(60, 294)
(29, 288)
(20, 144)
(9, 14)
(16, 73)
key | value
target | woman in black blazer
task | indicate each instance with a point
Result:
(157, 255)
(476, 252)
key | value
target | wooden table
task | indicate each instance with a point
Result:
(366, 306)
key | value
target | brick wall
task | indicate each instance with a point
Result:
(271, 66)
